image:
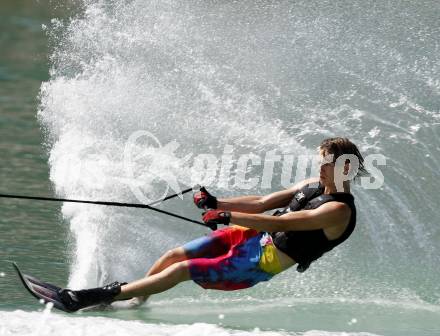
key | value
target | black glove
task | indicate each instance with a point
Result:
(204, 200)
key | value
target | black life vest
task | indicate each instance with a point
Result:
(306, 246)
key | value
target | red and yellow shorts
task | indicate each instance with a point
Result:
(232, 258)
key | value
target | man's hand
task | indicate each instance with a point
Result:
(214, 217)
(204, 200)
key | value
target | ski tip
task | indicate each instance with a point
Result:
(14, 264)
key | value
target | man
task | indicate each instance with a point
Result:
(316, 218)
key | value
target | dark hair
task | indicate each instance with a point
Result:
(339, 146)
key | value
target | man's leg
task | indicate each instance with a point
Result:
(203, 247)
(156, 283)
(169, 258)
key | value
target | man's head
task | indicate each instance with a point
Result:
(340, 161)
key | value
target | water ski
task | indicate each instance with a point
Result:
(42, 290)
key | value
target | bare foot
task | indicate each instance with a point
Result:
(129, 304)
(137, 301)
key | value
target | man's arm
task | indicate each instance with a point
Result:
(260, 204)
(327, 215)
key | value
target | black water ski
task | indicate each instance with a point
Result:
(42, 290)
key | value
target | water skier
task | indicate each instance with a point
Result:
(253, 247)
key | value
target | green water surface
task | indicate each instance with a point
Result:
(31, 233)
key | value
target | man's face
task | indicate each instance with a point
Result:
(327, 168)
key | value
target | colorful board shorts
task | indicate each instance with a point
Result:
(232, 258)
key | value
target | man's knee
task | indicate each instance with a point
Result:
(181, 269)
(177, 254)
